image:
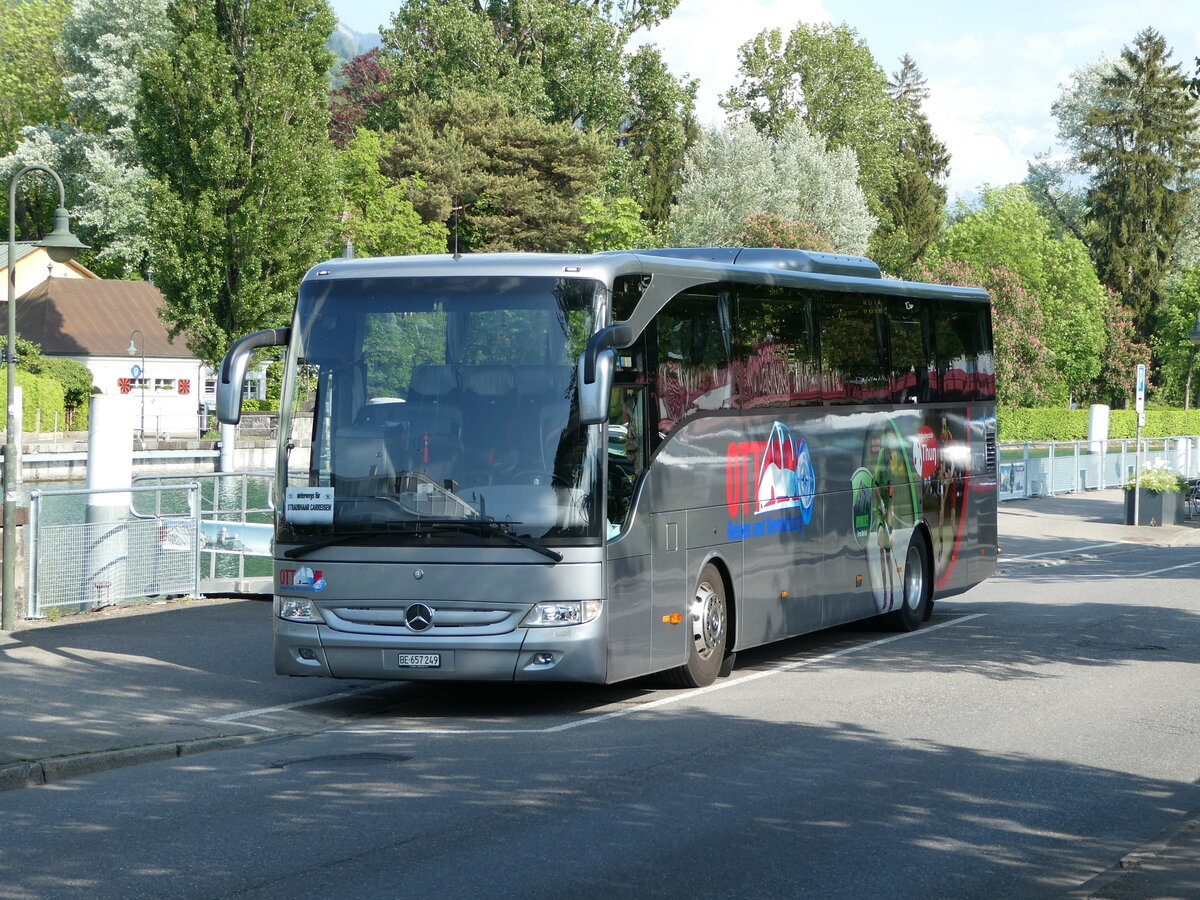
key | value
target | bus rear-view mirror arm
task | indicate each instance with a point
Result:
(233, 370)
(596, 366)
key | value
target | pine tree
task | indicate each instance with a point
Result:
(233, 128)
(1140, 144)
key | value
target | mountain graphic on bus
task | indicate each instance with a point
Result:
(785, 476)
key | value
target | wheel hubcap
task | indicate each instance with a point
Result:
(914, 579)
(708, 620)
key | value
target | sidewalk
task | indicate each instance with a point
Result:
(127, 686)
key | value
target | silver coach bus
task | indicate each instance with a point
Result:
(595, 467)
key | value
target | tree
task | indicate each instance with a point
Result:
(736, 172)
(233, 128)
(772, 230)
(377, 217)
(1176, 355)
(93, 148)
(31, 72)
(562, 62)
(360, 101)
(826, 76)
(612, 225)
(916, 202)
(1140, 144)
(498, 180)
(1008, 231)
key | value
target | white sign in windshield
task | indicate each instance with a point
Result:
(309, 505)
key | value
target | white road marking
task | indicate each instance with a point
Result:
(670, 698)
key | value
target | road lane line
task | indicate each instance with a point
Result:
(1004, 559)
(672, 698)
(1145, 574)
(311, 701)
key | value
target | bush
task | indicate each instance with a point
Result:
(39, 392)
(1016, 426)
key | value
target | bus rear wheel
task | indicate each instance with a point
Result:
(917, 603)
(707, 619)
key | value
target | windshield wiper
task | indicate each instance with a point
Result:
(344, 538)
(494, 527)
(415, 526)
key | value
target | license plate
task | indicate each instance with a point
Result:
(420, 660)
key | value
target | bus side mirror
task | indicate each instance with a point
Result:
(233, 370)
(594, 394)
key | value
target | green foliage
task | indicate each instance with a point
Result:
(1158, 478)
(232, 126)
(1034, 425)
(514, 181)
(558, 61)
(31, 72)
(378, 218)
(1141, 145)
(75, 378)
(612, 224)
(92, 148)
(737, 172)
(915, 205)
(825, 76)
(1176, 355)
(39, 392)
(1007, 230)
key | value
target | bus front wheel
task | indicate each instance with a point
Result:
(707, 619)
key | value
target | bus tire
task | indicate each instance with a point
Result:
(915, 607)
(707, 618)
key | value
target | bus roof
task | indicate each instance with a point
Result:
(768, 266)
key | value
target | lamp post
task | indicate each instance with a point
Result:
(141, 376)
(61, 245)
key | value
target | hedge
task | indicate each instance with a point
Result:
(39, 392)
(1016, 426)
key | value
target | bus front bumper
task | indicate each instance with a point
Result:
(569, 653)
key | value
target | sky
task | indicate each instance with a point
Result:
(993, 69)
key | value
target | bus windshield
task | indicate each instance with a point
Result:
(443, 410)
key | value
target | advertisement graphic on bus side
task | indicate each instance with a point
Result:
(783, 479)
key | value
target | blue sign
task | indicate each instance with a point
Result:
(136, 371)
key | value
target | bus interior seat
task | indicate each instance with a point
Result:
(361, 464)
(489, 399)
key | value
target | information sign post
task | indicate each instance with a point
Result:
(1139, 404)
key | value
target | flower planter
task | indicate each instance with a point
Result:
(1155, 508)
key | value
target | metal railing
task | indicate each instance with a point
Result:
(237, 511)
(1042, 469)
(114, 558)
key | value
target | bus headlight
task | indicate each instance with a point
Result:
(297, 609)
(562, 612)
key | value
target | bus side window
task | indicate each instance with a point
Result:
(912, 372)
(961, 339)
(852, 357)
(777, 365)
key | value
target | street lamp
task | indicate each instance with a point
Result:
(61, 245)
(141, 376)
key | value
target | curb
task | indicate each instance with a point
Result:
(49, 771)
(1129, 864)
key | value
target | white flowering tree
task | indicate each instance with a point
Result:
(94, 150)
(735, 172)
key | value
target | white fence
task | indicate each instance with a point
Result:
(1041, 469)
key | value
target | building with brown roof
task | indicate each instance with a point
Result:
(112, 327)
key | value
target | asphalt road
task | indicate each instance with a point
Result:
(1044, 725)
